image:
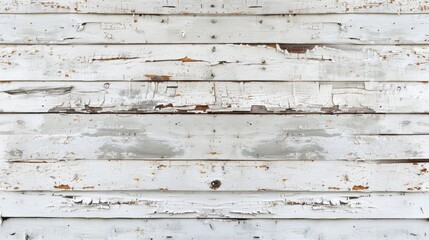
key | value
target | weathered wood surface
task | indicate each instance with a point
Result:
(207, 97)
(234, 7)
(306, 29)
(121, 229)
(214, 62)
(247, 205)
(227, 137)
(402, 176)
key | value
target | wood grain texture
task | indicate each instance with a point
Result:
(306, 29)
(214, 62)
(214, 97)
(228, 137)
(127, 229)
(235, 7)
(223, 205)
(332, 176)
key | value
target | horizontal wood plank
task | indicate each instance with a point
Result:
(215, 175)
(212, 97)
(247, 205)
(120, 229)
(122, 29)
(214, 62)
(234, 7)
(228, 137)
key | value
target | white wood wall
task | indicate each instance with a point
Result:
(214, 119)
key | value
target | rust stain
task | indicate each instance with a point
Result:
(158, 77)
(186, 59)
(359, 188)
(63, 187)
(201, 107)
(424, 170)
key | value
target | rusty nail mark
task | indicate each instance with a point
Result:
(215, 184)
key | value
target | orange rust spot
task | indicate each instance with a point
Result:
(186, 59)
(88, 187)
(359, 188)
(201, 107)
(334, 188)
(158, 77)
(63, 187)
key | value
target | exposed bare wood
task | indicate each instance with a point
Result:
(214, 62)
(306, 29)
(229, 137)
(207, 97)
(235, 7)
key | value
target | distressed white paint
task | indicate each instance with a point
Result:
(244, 205)
(254, 97)
(214, 6)
(214, 62)
(316, 29)
(400, 176)
(228, 137)
(121, 229)
(159, 173)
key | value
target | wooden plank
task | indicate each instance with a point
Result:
(121, 29)
(247, 205)
(211, 97)
(214, 62)
(120, 229)
(229, 137)
(213, 6)
(215, 175)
